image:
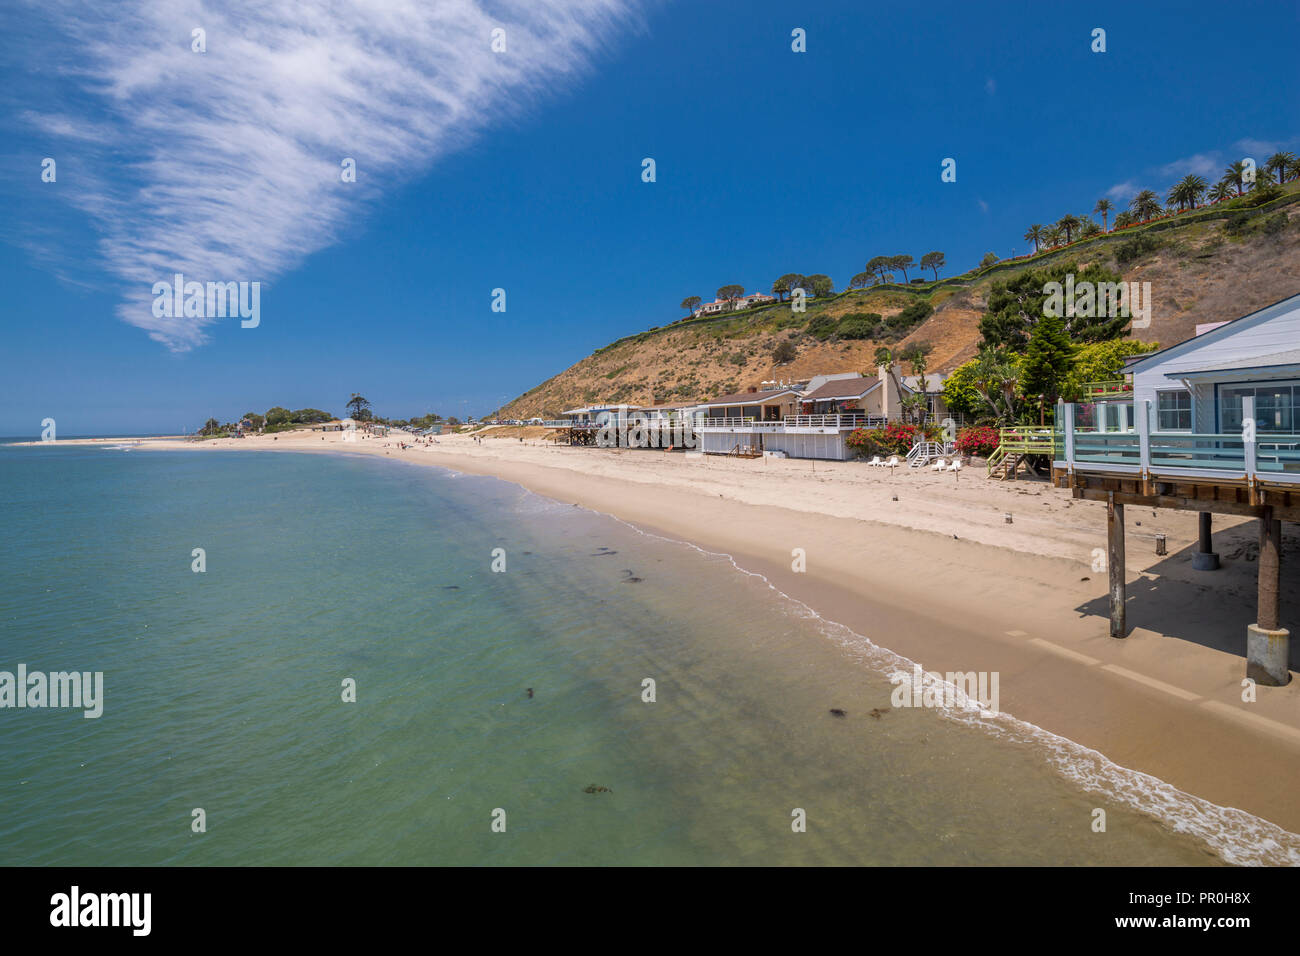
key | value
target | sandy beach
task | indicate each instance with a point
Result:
(928, 566)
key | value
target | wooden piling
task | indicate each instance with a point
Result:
(1270, 568)
(1115, 562)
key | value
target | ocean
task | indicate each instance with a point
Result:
(501, 716)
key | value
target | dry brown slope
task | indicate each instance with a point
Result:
(1200, 274)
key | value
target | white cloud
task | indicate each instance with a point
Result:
(984, 207)
(1123, 191)
(1206, 165)
(224, 165)
(990, 86)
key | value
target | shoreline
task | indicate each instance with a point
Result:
(950, 602)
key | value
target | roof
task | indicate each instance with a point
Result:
(1281, 361)
(1280, 307)
(933, 381)
(749, 398)
(842, 388)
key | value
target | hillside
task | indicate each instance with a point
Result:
(1204, 270)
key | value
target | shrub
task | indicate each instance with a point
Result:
(1140, 245)
(980, 440)
(1273, 224)
(859, 325)
(784, 352)
(822, 327)
(895, 438)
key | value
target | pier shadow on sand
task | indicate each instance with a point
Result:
(1210, 608)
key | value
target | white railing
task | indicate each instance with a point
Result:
(924, 452)
(1094, 446)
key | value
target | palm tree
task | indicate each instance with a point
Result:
(1053, 237)
(995, 380)
(1279, 163)
(1125, 219)
(1236, 174)
(1187, 191)
(1103, 208)
(1222, 190)
(1145, 205)
(1068, 224)
(1036, 234)
(1089, 228)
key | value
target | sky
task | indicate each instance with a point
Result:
(522, 169)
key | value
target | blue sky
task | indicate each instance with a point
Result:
(522, 170)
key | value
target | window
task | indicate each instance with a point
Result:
(1277, 408)
(1174, 411)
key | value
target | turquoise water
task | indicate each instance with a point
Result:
(223, 691)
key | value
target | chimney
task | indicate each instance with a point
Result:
(888, 395)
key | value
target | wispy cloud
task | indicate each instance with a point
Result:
(1206, 165)
(984, 207)
(225, 165)
(990, 86)
(1123, 191)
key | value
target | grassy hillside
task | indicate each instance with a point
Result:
(1203, 267)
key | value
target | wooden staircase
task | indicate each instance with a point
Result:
(1014, 451)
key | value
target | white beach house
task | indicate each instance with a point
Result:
(1212, 425)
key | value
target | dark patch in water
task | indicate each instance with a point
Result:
(451, 587)
(876, 712)
(836, 712)
(530, 693)
(596, 788)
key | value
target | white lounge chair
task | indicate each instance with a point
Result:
(956, 465)
(892, 463)
(939, 465)
(876, 462)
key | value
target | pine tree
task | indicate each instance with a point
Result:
(1047, 360)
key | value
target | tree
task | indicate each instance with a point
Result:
(254, 419)
(1068, 224)
(730, 293)
(934, 261)
(880, 265)
(995, 377)
(210, 427)
(1103, 209)
(819, 285)
(861, 280)
(1016, 306)
(787, 283)
(1145, 205)
(902, 263)
(988, 260)
(1089, 228)
(1053, 237)
(1222, 190)
(1125, 219)
(784, 352)
(1236, 175)
(691, 303)
(1280, 163)
(1036, 234)
(1047, 360)
(1187, 191)
(278, 416)
(358, 405)
(1100, 362)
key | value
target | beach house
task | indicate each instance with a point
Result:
(1210, 425)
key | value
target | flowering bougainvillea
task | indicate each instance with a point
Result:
(980, 441)
(895, 438)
